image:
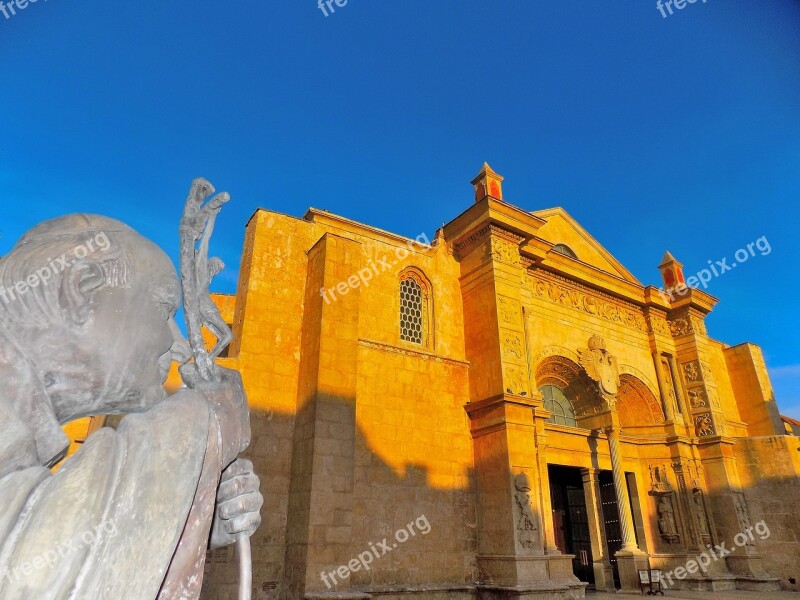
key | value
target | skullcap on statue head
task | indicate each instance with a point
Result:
(78, 224)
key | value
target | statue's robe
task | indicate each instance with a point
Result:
(127, 517)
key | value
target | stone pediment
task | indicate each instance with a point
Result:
(561, 228)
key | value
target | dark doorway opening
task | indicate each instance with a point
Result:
(571, 520)
(608, 500)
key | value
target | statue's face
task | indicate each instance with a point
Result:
(132, 338)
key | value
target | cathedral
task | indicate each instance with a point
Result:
(504, 411)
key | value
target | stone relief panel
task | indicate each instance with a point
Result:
(510, 311)
(513, 348)
(691, 373)
(697, 324)
(515, 379)
(703, 425)
(680, 326)
(687, 322)
(698, 398)
(505, 251)
(708, 376)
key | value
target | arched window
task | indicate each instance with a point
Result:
(556, 402)
(565, 250)
(414, 308)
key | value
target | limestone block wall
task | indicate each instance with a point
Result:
(346, 463)
(752, 389)
(266, 350)
(769, 471)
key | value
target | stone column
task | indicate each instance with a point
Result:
(621, 489)
(603, 573)
(679, 390)
(629, 559)
(666, 401)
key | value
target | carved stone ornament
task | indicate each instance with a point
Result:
(659, 483)
(697, 398)
(703, 425)
(602, 368)
(692, 371)
(560, 291)
(505, 251)
(680, 326)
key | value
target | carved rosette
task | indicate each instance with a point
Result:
(680, 326)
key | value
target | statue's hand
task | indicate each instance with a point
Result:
(229, 403)
(239, 504)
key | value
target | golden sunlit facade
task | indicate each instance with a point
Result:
(557, 424)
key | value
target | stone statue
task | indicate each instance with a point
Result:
(742, 515)
(700, 514)
(527, 530)
(666, 519)
(87, 327)
(602, 368)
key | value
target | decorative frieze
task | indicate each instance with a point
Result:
(563, 292)
(658, 324)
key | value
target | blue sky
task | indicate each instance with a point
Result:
(679, 133)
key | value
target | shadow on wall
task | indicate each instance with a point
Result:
(333, 507)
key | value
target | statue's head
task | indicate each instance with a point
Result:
(90, 306)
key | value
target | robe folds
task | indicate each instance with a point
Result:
(127, 517)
